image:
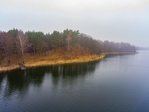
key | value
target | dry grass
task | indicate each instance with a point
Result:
(54, 58)
(48, 61)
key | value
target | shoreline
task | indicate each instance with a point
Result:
(61, 61)
(81, 59)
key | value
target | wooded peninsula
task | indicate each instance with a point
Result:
(38, 49)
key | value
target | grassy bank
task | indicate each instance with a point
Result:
(36, 61)
(57, 58)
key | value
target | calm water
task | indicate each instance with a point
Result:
(116, 84)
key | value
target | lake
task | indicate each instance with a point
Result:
(115, 84)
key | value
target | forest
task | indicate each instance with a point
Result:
(15, 45)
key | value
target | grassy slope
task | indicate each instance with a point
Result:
(54, 57)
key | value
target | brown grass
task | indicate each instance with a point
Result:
(53, 58)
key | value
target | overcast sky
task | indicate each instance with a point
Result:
(115, 20)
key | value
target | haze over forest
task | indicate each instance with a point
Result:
(114, 20)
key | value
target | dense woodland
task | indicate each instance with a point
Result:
(15, 43)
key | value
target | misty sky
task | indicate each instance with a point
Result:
(115, 20)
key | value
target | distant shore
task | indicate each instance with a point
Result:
(46, 62)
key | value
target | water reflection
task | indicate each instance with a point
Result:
(20, 81)
(118, 84)
(1, 81)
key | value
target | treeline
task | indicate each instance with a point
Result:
(16, 42)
